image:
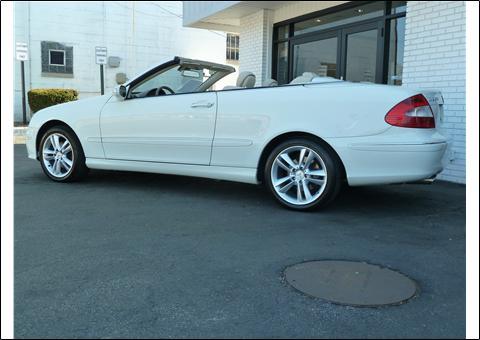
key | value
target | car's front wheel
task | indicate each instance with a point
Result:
(303, 175)
(61, 155)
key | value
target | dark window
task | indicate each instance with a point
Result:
(57, 58)
(395, 51)
(233, 46)
(282, 32)
(356, 41)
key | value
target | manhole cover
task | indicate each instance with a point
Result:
(351, 283)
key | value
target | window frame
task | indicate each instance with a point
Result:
(382, 21)
(50, 57)
(232, 48)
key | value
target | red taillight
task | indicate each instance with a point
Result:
(413, 112)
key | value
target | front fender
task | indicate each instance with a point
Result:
(82, 116)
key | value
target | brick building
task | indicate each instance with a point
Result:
(417, 44)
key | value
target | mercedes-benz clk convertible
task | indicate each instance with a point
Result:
(303, 140)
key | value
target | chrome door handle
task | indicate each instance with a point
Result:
(201, 104)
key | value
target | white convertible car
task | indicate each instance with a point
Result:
(303, 139)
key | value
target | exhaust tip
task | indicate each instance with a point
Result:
(429, 180)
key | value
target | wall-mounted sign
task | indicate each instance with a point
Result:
(113, 61)
(21, 51)
(100, 55)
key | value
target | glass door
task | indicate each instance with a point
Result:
(319, 55)
(362, 53)
(354, 54)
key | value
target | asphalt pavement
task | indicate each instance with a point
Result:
(131, 255)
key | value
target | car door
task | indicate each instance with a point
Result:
(173, 128)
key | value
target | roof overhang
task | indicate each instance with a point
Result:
(223, 15)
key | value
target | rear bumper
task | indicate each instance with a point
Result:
(383, 159)
(398, 163)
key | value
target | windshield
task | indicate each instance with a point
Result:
(175, 79)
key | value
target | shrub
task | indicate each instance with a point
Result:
(41, 98)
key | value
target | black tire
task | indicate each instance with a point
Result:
(78, 170)
(333, 168)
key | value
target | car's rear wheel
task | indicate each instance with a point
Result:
(303, 175)
(61, 155)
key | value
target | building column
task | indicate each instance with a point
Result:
(22, 34)
(256, 44)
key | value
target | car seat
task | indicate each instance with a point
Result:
(306, 77)
(245, 79)
(270, 82)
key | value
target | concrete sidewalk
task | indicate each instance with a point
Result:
(19, 134)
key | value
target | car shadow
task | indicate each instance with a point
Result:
(396, 198)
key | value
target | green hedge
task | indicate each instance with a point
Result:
(41, 98)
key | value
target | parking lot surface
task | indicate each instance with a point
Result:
(133, 255)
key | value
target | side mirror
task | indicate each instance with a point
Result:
(120, 91)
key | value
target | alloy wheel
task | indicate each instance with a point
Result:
(298, 175)
(57, 155)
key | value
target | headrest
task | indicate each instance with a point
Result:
(270, 82)
(309, 74)
(246, 79)
(306, 77)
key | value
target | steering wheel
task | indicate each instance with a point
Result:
(162, 88)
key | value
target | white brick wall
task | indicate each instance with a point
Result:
(435, 58)
(255, 44)
(140, 33)
(21, 28)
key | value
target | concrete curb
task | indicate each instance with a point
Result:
(19, 135)
(20, 131)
